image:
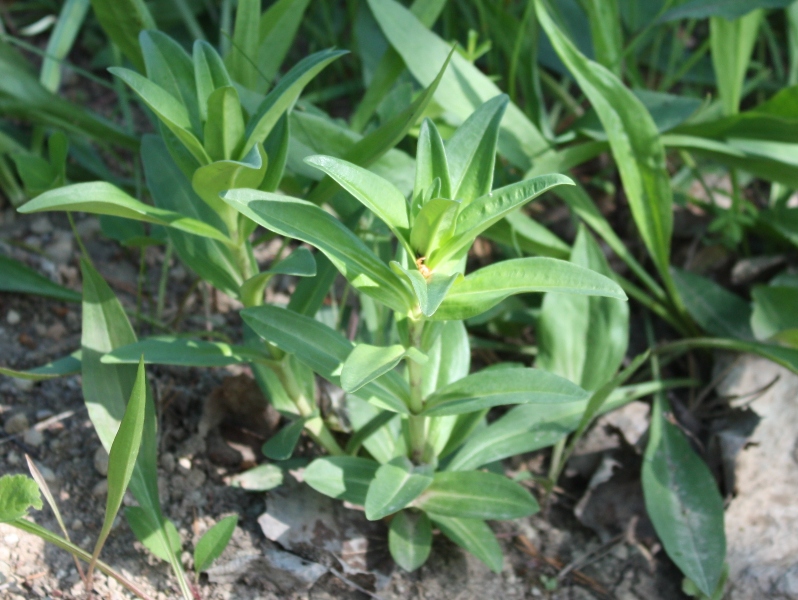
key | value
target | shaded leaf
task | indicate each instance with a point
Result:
(343, 477)
(213, 542)
(395, 485)
(410, 539)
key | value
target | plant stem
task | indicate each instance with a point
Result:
(417, 424)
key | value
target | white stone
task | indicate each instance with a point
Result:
(33, 437)
(101, 461)
(13, 317)
(16, 423)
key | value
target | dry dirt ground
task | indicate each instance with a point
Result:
(553, 557)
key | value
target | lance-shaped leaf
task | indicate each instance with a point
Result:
(476, 495)
(471, 151)
(18, 493)
(488, 286)
(170, 67)
(209, 74)
(774, 311)
(167, 108)
(276, 33)
(379, 196)
(300, 263)
(434, 225)
(281, 445)
(20, 279)
(102, 198)
(162, 542)
(224, 129)
(123, 454)
(497, 387)
(324, 350)
(307, 222)
(68, 365)
(395, 485)
(431, 163)
(285, 93)
(184, 352)
(474, 536)
(487, 210)
(343, 477)
(213, 542)
(410, 539)
(366, 362)
(634, 140)
(106, 389)
(571, 327)
(244, 46)
(683, 502)
(430, 291)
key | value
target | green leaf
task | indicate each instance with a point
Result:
(278, 28)
(471, 151)
(224, 129)
(572, 328)
(474, 536)
(487, 210)
(410, 539)
(324, 350)
(732, 43)
(122, 21)
(683, 502)
(68, 365)
(209, 74)
(431, 164)
(244, 48)
(488, 286)
(300, 263)
(155, 539)
(18, 493)
(213, 542)
(365, 363)
(307, 222)
(463, 88)
(284, 94)
(167, 108)
(106, 389)
(729, 9)
(171, 68)
(499, 387)
(783, 221)
(376, 194)
(774, 310)
(476, 495)
(634, 140)
(281, 445)
(395, 485)
(607, 32)
(434, 225)
(363, 433)
(714, 308)
(343, 477)
(123, 454)
(429, 291)
(211, 260)
(520, 232)
(210, 180)
(102, 198)
(70, 20)
(17, 278)
(259, 479)
(184, 352)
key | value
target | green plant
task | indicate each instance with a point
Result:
(417, 422)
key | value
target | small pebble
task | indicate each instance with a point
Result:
(33, 437)
(101, 461)
(41, 225)
(43, 414)
(23, 385)
(56, 331)
(11, 539)
(61, 248)
(168, 462)
(77, 525)
(16, 423)
(100, 489)
(13, 458)
(185, 462)
(13, 317)
(47, 473)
